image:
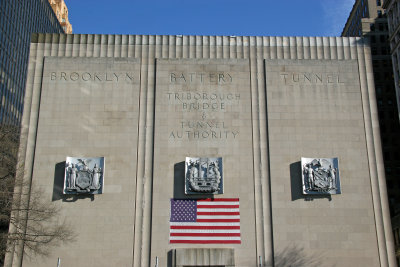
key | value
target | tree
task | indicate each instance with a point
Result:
(8, 159)
(26, 220)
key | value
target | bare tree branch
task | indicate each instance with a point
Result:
(39, 230)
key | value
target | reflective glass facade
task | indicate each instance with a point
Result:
(18, 19)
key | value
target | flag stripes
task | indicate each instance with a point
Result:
(205, 221)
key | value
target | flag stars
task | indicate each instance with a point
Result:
(183, 210)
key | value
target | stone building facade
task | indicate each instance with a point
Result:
(393, 14)
(145, 103)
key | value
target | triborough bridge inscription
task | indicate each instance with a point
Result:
(205, 104)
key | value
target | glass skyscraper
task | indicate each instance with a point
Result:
(18, 20)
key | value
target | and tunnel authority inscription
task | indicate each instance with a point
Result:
(206, 99)
(205, 106)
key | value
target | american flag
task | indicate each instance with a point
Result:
(205, 221)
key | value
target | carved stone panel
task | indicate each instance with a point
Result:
(203, 176)
(84, 175)
(320, 176)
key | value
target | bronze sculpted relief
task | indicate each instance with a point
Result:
(203, 176)
(320, 176)
(83, 175)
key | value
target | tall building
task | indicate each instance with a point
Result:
(61, 10)
(393, 16)
(18, 20)
(368, 19)
(206, 151)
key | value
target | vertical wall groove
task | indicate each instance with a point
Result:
(266, 248)
(213, 48)
(140, 179)
(259, 220)
(326, 48)
(147, 224)
(339, 47)
(298, 43)
(293, 48)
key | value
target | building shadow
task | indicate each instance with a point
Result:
(294, 256)
(296, 185)
(58, 186)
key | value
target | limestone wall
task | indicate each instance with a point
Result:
(138, 100)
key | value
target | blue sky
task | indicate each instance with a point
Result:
(210, 17)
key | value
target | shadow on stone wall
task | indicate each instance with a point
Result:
(296, 184)
(58, 181)
(179, 180)
(295, 181)
(294, 256)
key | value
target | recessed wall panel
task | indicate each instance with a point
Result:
(314, 110)
(203, 109)
(89, 108)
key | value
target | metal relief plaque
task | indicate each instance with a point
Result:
(84, 175)
(320, 176)
(203, 176)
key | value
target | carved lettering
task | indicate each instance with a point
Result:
(210, 134)
(191, 76)
(173, 77)
(74, 76)
(96, 76)
(202, 124)
(107, 78)
(284, 76)
(311, 78)
(200, 77)
(86, 76)
(206, 104)
(202, 96)
(127, 76)
(92, 77)
(319, 77)
(212, 78)
(203, 106)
